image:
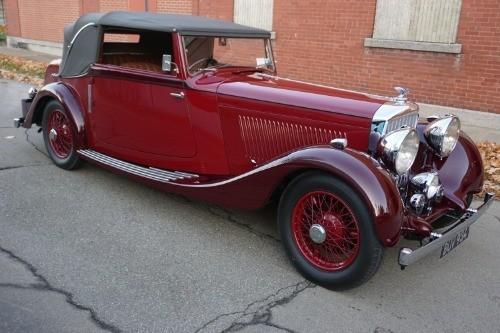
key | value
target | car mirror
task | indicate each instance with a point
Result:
(167, 65)
(263, 62)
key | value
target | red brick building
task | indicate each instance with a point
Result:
(446, 51)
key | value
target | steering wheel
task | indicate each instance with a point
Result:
(209, 62)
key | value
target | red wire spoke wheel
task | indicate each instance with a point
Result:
(58, 134)
(325, 230)
(60, 138)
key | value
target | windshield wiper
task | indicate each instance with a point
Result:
(213, 68)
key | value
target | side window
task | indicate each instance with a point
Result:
(141, 50)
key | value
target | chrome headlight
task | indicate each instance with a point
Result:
(428, 183)
(399, 149)
(442, 134)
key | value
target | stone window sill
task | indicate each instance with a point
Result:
(412, 45)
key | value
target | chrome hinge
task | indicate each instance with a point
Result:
(89, 98)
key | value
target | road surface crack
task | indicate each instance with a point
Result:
(22, 166)
(44, 285)
(220, 212)
(258, 312)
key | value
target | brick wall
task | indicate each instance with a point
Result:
(175, 6)
(109, 5)
(326, 46)
(322, 41)
(45, 20)
(11, 11)
(220, 9)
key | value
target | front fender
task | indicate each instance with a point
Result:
(67, 97)
(461, 173)
(371, 181)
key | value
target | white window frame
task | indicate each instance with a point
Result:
(421, 25)
(254, 13)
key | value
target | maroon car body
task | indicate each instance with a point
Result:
(239, 137)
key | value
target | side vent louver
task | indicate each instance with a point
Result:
(265, 139)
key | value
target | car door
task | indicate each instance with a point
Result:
(137, 107)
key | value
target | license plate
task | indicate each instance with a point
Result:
(454, 242)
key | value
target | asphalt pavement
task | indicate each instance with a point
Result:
(90, 251)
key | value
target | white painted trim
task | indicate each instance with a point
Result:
(35, 45)
(412, 45)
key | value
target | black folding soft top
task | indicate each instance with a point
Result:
(82, 38)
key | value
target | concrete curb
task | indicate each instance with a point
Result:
(480, 126)
(40, 46)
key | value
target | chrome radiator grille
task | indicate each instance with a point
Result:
(410, 120)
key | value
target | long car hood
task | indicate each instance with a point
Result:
(300, 94)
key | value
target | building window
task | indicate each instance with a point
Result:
(254, 13)
(2, 15)
(423, 25)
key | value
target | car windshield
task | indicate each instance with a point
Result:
(211, 53)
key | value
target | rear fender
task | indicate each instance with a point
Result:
(67, 97)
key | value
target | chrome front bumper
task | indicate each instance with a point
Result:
(18, 122)
(408, 256)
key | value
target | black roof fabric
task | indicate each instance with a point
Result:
(184, 24)
(82, 38)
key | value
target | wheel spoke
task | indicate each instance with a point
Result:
(341, 245)
(62, 143)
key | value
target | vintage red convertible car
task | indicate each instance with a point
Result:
(194, 106)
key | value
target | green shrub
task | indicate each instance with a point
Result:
(3, 32)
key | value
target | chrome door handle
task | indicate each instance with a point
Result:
(177, 95)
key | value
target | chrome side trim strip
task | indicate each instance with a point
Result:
(160, 175)
(408, 256)
(270, 165)
(91, 154)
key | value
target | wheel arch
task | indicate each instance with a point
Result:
(66, 96)
(365, 176)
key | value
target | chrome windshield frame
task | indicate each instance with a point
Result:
(268, 50)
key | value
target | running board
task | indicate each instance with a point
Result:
(150, 173)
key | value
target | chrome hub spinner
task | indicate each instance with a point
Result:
(317, 233)
(53, 134)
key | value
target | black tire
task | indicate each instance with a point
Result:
(370, 252)
(71, 161)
